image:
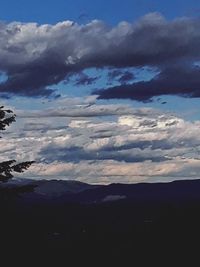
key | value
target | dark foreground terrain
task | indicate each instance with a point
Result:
(76, 222)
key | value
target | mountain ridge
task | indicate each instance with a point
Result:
(79, 192)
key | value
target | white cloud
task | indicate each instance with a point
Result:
(113, 171)
(143, 145)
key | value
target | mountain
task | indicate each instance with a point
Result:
(48, 188)
(56, 188)
(79, 192)
(71, 219)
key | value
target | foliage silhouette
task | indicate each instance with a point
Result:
(8, 167)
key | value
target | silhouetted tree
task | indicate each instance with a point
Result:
(8, 167)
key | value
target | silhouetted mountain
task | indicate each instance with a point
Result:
(73, 220)
(141, 193)
(78, 192)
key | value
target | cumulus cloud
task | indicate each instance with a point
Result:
(114, 171)
(142, 145)
(36, 56)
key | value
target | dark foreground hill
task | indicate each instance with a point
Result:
(77, 221)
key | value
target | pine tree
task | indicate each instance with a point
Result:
(8, 167)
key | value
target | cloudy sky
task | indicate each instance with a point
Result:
(104, 91)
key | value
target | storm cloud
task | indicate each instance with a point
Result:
(35, 57)
(176, 80)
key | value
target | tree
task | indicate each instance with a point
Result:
(8, 167)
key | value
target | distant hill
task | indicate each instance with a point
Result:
(74, 220)
(79, 192)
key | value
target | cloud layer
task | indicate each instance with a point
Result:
(141, 145)
(35, 57)
(176, 80)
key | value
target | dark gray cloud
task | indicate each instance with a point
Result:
(126, 77)
(36, 56)
(84, 79)
(114, 74)
(120, 76)
(176, 80)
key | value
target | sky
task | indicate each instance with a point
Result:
(104, 91)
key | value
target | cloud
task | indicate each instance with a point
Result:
(126, 77)
(84, 79)
(114, 171)
(176, 80)
(120, 76)
(114, 74)
(141, 145)
(83, 110)
(35, 57)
